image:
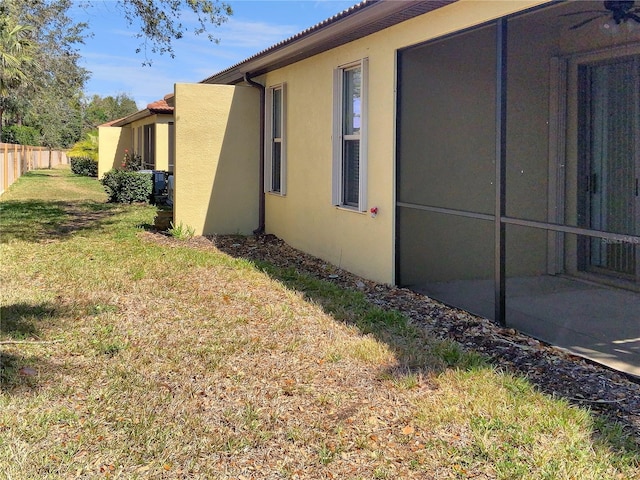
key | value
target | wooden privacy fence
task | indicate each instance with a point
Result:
(18, 159)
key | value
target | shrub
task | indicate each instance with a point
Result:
(132, 162)
(84, 166)
(127, 187)
(87, 147)
(20, 134)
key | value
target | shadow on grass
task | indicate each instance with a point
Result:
(415, 349)
(38, 221)
(147, 227)
(21, 327)
(19, 372)
(23, 320)
(42, 173)
(19, 323)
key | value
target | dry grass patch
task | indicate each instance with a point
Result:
(173, 361)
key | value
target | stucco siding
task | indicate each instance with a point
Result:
(217, 158)
(111, 146)
(114, 140)
(161, 144)
(305, 217)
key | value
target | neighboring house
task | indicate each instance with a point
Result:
(485, 153)
(148, 133)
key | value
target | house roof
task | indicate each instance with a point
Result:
(110, 124)
(159, 107)
(360, 20)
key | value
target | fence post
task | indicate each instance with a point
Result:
(16, 172)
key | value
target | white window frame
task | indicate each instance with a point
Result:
(270, 140)
(339, 138)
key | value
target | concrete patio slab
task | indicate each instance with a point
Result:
(594, 321)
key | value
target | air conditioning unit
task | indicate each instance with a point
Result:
(170, 190)
(160, 179)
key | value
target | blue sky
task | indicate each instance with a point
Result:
(255, 25)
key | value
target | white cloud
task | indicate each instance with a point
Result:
(254, 35)
(116, 68)
(112, 74)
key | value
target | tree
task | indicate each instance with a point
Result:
(87, 147)
(43, 81)
(161, 21)
(49, 99)
(15, 58)
(15, 55)
(58, 118)
(101, 110)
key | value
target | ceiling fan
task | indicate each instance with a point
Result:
(619, 11)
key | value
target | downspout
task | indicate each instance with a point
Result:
(261, 209)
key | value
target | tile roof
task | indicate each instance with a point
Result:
(160, 106)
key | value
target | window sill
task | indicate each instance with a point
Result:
(276, 194)
(346, 208)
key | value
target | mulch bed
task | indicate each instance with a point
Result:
(552, 370)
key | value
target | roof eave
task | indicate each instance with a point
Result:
(132, 118)
(325, 37)
(140, 115)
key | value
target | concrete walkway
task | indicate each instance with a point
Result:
(591, 320)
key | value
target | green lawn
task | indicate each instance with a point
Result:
(125, 357)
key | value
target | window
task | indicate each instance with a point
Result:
(148, 154)
(275, 149)
(350, 128)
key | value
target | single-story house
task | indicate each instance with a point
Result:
(486, 153)
(148, 133)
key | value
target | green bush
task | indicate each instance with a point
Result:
(87, 147)
(133, 162)
(21, 135)
(84, 166)
(127, 187)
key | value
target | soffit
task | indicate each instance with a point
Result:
(363, 19)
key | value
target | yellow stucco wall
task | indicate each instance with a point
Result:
(162, 144)
(161, 139)
(112, 142)
(217, 158)
(305, 218)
